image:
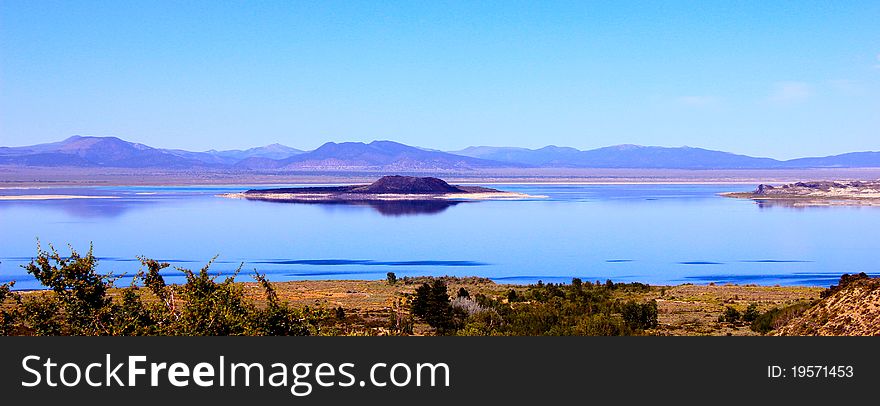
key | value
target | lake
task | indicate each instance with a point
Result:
(657, 234)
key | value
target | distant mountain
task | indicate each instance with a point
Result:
(377, 155)
(389, 156)
(850, 160)
(94, 151)
(623, 156)
(636, 156)
(230, 157)
(273, 151)
(548, 156)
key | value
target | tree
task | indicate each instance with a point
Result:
(81, 291)
(7, 317)
(512, 296)
(391, 278)
(731, 315)
(640, 316)
(751, 313)
(431, 304)
(79, 303)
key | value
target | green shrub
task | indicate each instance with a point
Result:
(731, 315)
(639, 316)
(778, 317)
(751, 313)
(79, 303)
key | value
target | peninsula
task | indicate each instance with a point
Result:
(389, 188)
(817, 193)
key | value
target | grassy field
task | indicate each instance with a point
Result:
(369, 305)
(682, 309)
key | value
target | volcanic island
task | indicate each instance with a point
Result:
(387, 188)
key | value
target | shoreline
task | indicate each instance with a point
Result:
(366, 197)
(53, 197)
(24, 177)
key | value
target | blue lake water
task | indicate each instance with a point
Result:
(657, 234)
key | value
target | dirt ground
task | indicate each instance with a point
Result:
(682, 309)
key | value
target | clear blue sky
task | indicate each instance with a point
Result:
(768, 78)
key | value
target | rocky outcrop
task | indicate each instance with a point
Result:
(408, 185)
(851, 308)
(817, 192)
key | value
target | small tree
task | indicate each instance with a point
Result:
(391, 278)
(751, 313)
(7, 317)
(731, 315)
(431, 304)
(512, 296)
(640, 316)
(80, 291)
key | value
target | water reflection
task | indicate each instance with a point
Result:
(391, 208)
(803, 204)
(85, 209)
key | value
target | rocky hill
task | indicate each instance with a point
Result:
(817, 192)
(851, 308)
(408, 184)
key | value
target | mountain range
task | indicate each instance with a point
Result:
(389, 156)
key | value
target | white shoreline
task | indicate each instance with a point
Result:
(351, 197)
(53, 197)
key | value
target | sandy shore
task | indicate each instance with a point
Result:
(53, 197)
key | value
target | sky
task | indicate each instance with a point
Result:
(777, 79)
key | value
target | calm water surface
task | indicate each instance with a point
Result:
(658, 234)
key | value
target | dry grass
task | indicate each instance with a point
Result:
(682, 309)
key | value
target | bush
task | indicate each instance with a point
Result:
(639, 316)
(391, 278)
(731, 315)
(7, 317)
(778, 317)
(751, 313)
(79, 303)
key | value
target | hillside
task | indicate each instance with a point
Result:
(390, 156)
(851, 308)
(624, 156)
(377, 155)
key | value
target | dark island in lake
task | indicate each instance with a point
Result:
(387, 188)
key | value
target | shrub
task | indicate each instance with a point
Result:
(751, 313)
(731, 315)
(391, 278)
(778, 317)
(79, 303)
(7, 316)
(639, 316)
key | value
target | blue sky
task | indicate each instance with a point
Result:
(778, 79)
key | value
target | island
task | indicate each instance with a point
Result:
(816, 193)
(387, 188)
